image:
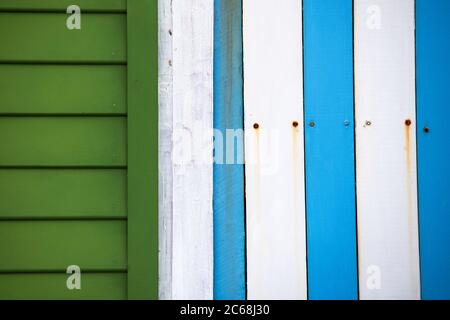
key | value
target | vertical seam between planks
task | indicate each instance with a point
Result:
(354, 151)
(417, 144)
(304, 152)
(245, 167)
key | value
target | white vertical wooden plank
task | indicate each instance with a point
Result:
(386, 149)
(186, 178)
(273, 96)
(165, 182)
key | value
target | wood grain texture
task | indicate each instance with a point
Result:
(192, 264)
(329, 148)
(67, 90)
(54, 245)
(229, 195)
(274, 149)
(63, 141)
(44, 37)
(165, 149)
(386, 149)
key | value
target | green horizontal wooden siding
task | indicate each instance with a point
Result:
(62, 89)
(61, 5)
(63, 193)
(31, 246)
(95, 286)
(63, 141)
(44, 37)
(78, 155)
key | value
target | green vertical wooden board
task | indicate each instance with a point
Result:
(142, 149)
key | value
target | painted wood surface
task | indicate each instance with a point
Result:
(52, 246)
(433, 79)
(273, 96)
(101, 39)
(229, 197)
(142, 147)
(63, 141)
(165, 149)
(49, 89)
(47, 286)
(82, 188)
(87, 193)
(329, 147)
(192, 229)
(61, 5)
(386, 149)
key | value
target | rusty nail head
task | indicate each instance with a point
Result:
(256, 126)
(312, 124)
(368, 123)
(426, 129)
(295, 124)
(408, 122)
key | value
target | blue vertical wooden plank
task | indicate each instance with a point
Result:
(329, 149)
(229, 210)
(433, 112)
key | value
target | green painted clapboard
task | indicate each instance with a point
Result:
(78, 154)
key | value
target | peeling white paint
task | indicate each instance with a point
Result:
(165, 57)
(186, 110)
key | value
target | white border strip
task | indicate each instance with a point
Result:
(186, 179)
(165, 147)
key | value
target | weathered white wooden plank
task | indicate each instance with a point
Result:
(165, 57)
(187, 177)
(386, 149)
(273, 89)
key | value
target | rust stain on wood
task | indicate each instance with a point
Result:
(257, 172)
(297, 165)
(409, 180)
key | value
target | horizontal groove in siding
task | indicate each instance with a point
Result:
(55, 245)
(63, 194)
(64, 63)
(45, 37)
(59, 10)
(64, 218)
(63, 141)
(40, 167)
(50, 89)
(59, 271)
(110, 286)
(61, 115)
(61, 5)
